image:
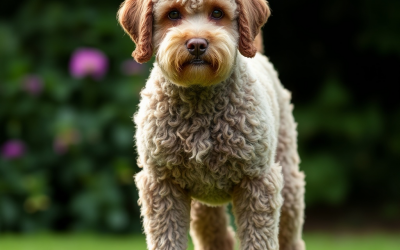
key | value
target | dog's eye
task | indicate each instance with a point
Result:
(174, 15)
(217, 14)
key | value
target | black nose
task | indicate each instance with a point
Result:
(197, 46)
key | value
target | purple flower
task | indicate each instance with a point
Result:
(88, 62)
(33, 84)
(13, 149)
(131, 67)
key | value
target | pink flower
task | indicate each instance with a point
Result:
(88, 62)
(13, 149)
(33, 84)
(131, 67)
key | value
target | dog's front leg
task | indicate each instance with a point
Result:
(256, 205)
(165, 209)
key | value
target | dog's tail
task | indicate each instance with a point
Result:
(258, 42)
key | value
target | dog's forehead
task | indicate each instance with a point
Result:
(194, 5)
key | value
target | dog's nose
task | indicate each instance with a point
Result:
(197, 46)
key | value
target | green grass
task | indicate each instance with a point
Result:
(97, 242)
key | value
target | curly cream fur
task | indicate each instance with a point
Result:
(257, 205)
(209, 228)
(165, 210)
(216, 133)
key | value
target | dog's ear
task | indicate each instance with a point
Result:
(253, 14)
(136, 18)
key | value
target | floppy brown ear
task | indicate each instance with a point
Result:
(253, 14)
(136, 17)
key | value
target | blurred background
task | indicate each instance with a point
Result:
(68, 90)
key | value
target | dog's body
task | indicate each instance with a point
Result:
(212, 131)
(209, 139)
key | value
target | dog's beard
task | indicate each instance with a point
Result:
(184, 69)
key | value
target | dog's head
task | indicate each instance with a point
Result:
(195, 41)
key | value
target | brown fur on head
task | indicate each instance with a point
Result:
(253, 15)
(136, 17)
(149, 26)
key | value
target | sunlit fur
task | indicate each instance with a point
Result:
(170, 38)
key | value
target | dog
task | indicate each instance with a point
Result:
(214, 126)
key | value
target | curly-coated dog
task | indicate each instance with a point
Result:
(214, 126)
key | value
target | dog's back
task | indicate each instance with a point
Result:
(292, 211)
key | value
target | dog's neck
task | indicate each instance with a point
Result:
(206, 100)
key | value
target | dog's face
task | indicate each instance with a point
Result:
(195, 41)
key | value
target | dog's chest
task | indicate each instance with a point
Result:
(206, 140)
(208, 136)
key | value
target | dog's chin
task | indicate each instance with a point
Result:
(198, 72)
(196, 63)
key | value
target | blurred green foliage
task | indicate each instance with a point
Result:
(90, 186)
(340, 59)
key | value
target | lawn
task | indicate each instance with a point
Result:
(98, 242)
